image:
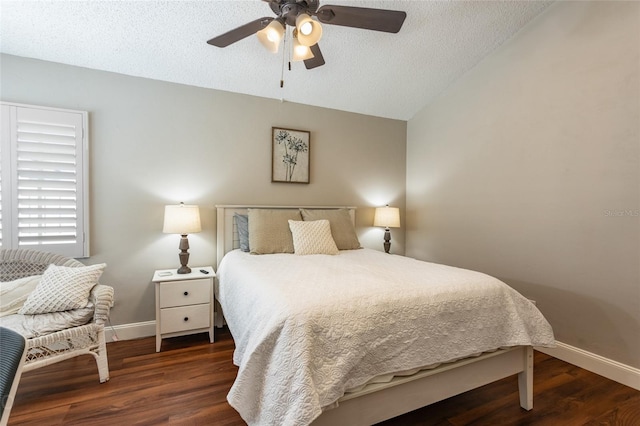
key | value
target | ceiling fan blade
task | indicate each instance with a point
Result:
(317, 60)
(239, 33)
(389, 21)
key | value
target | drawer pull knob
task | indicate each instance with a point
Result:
(186, 293)
(186, 319)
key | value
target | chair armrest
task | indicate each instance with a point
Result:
(102, 297)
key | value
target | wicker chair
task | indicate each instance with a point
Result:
(71, 342)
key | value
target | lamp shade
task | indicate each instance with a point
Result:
(271, 35)
(300, 51)
(389, 217)
(181, 219)
(309, 31)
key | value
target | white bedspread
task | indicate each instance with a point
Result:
(307, 328)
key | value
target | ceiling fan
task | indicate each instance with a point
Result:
(307, 31)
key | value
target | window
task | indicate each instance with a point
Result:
(43, 179)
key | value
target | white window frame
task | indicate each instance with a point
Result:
(13, 225)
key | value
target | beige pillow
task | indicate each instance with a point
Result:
(312, 237)
(62, 288)
(342, 230)
(269, 230)
(13, 294)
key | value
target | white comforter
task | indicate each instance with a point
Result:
(307, 328)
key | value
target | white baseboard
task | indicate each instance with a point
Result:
(131, 331)
(597, 364)
(613, 370)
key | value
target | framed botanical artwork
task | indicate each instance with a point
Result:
(290, 151)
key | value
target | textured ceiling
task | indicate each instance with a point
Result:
(368, 72)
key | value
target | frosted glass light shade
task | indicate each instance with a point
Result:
(181, 219)
(271, 35)
(309, 31)
(300, 51)
(388, 217)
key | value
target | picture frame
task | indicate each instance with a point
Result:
(290, 155)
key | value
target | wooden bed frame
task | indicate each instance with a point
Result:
(381, 401)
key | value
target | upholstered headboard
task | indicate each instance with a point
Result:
(227, 232)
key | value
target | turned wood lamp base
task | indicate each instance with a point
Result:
(184, 255)
(387, 240)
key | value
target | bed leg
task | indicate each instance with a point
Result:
(218, 317)
(525, 380)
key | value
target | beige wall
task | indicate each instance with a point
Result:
(528, 169)
(154, 143)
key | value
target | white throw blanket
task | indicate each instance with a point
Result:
(13, 294)
(307, 328)
(31, 326)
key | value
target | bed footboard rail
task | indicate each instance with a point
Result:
(379, 402)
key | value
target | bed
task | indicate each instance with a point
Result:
(360, 336)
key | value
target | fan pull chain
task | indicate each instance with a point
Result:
(289, 51)
(284, 53)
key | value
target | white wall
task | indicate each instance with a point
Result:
(528, 169)
(154, 143)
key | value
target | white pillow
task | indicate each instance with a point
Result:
(62, 288)
(312, 237)
(342, 230)
(14, 293)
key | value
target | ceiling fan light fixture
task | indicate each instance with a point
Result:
(271, 35)
(309, 31)
(300, 51)
(306, 17)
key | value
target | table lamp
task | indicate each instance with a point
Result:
(389, 217)
(182, 219)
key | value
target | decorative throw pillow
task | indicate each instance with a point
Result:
(344, 234)
(242, 225)
(62, 288)
(269, 230)
(312, 237)
(13, 294)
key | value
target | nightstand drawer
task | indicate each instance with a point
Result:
(182, 293)
(184, 318)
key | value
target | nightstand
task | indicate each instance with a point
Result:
(184, 303)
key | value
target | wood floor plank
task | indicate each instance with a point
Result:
(187, 384)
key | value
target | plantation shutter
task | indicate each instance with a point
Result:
(47, 180)
(5, 177)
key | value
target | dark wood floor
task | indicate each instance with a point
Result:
(187, 384)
